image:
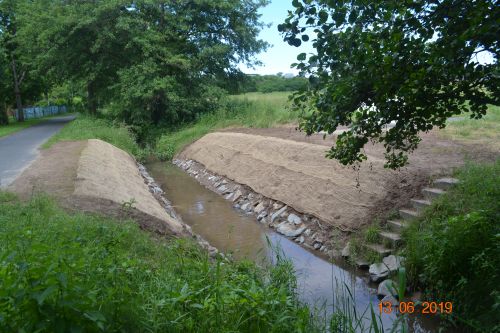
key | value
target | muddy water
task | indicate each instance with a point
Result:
(232, 231)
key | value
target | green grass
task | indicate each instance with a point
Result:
(63, 272)
(86, 127)
(248, 110)
(453, 251)
(485, 130)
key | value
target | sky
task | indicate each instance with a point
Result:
(280, 55)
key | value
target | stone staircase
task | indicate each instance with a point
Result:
(390, 238)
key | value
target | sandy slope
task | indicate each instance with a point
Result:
(284, 165)
(95, 176)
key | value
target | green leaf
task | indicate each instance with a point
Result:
(301, 57)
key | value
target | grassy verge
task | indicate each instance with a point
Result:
(86, 127)
(248, 110)
(86, 273)
(485, 130)
(453, 251)
(15, 126)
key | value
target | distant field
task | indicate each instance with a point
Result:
(485, 130)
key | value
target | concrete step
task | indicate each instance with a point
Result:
(419, 204)
(445, 183)
(397, 225)
(381, 250)
(431, 193)
(408, 214)
(392, 237)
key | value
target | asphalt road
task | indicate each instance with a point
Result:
(19, 150)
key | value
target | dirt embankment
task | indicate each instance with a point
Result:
(95, 176)
(283, 164)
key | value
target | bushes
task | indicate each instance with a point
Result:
(85, 273)
(87, 127)
(455, 249)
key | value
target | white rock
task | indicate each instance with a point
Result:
(393, 262)
(245, 206)
(378, 272)
(346, 251)
(317, 245)
(292, 218)
(301, 239)
(387, 288)
(229, 196)
(307, 232)
(262, 215)
(278, 213)
(237, 195)
(287, 230)
(259, 208)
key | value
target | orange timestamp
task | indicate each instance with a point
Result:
(420, 307)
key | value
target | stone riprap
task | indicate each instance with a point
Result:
(303, 228)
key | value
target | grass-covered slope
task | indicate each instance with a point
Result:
(453, 251)
(84, 273)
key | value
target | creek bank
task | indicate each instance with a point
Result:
(303, 228)
(158, 194)
(96, 177)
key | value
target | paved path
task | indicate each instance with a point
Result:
(18, 150)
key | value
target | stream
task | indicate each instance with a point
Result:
(320, 282)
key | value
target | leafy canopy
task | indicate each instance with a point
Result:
(146, 62)
(409, 63)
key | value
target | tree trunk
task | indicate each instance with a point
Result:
(91, 99)
(4, 117)
(17, 91)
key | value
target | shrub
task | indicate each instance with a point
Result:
(86, 273)
(454, 250)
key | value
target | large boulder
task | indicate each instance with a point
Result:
(292, 218)
(286, 229)
(393, 263)
(387, 288)
(378, 272)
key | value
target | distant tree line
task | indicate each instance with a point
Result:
(271, 83)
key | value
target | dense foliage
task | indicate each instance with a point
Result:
(84, 273)
(145, 62)
(454, 251)
(271, 83)
(414, 63)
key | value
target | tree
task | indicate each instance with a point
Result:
(8, 31)
(414, 63)
(150, 62)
